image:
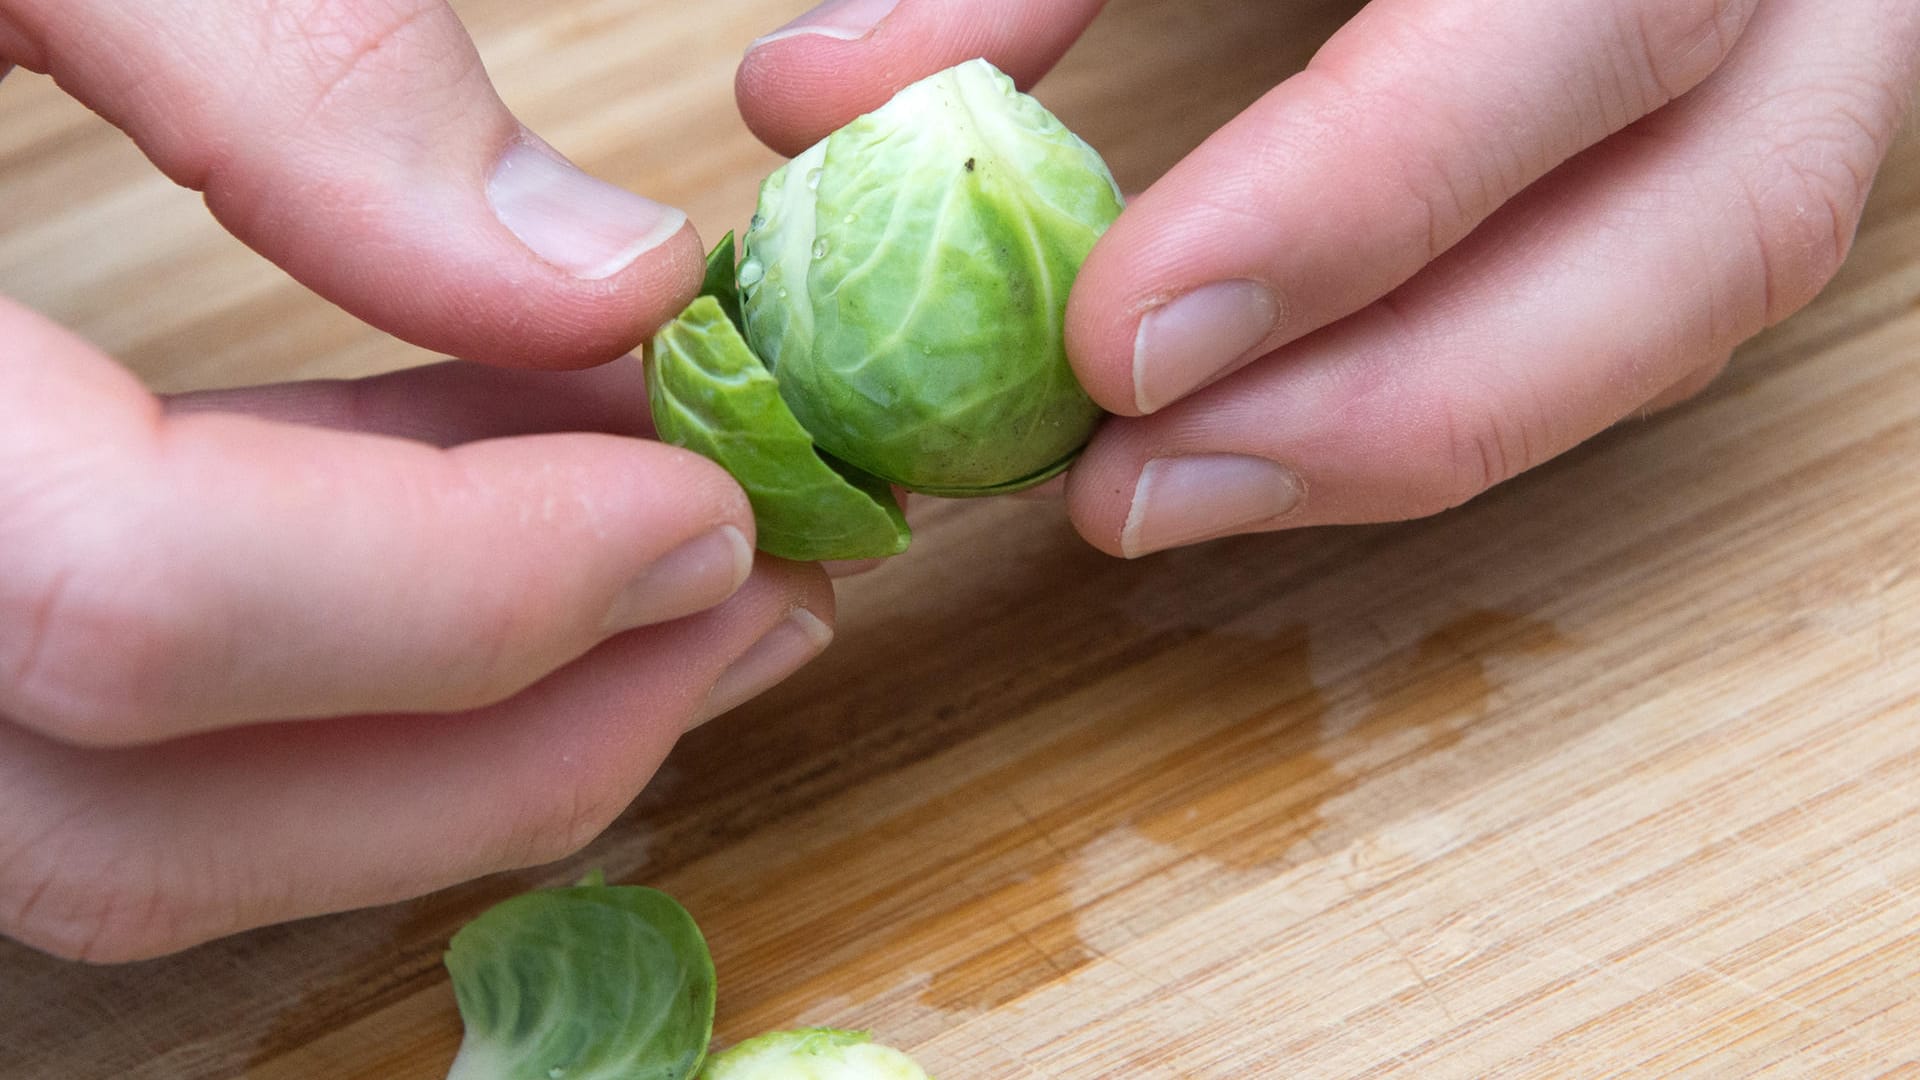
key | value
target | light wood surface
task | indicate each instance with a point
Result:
(1615, 770)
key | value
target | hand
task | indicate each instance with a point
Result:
(271, 653)
(1466, 238)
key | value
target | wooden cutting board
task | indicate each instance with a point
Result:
(1615, 770)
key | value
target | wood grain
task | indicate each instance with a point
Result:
(1615, 770)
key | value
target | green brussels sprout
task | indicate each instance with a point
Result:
(812, 1054)
(905, 283)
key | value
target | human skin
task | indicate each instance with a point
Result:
(272, 653)
(291, 650)
(1465, 238)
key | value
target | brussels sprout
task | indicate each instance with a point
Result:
(594, 982)
(812, 1054)
(904, 282)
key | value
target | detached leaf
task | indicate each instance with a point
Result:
(720, 283)
(712, 395)
(593, 982)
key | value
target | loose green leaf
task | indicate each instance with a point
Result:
(812, 1054)
(711, 394)
(593, 982)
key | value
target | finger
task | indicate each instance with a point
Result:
(449, 403)
(117, 855)
(1589, 295)
(847, 57)
(172, 574)
(360, 145)
(452, 403)
(1415, 122)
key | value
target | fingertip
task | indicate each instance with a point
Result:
(1117, 284)
(793, 86)
(844, 58)
(798, 628)
(804, 585)
(1164, 306)
(566, 287)
(1098, 491)
(1098, 327)
(511, 256)
(789, 94)
(726, 497)
(668, 482)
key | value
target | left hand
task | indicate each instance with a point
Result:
(274, 652)
(1466, 238)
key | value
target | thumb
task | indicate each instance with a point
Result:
(360, 145)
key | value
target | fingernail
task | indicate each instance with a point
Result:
(781, 652)
(692, 577)
(1187, 341)
(579, 223)
(1181, 500)
(842, 20)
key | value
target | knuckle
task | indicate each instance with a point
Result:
(1808, 191)
(1479, 447)
(109, 927)
(1681, 42)
(64, 896)
(1447, 204)
(331, 45)
(96, 655)
(564, 822)
(80, 632)
(1436, 193)
(1434, 450)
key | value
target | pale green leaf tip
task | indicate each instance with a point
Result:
(812, 1054)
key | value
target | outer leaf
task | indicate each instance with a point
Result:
(812, 1054)
(711, 394)
(721, 282)
(594, 982)
(907, 278)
